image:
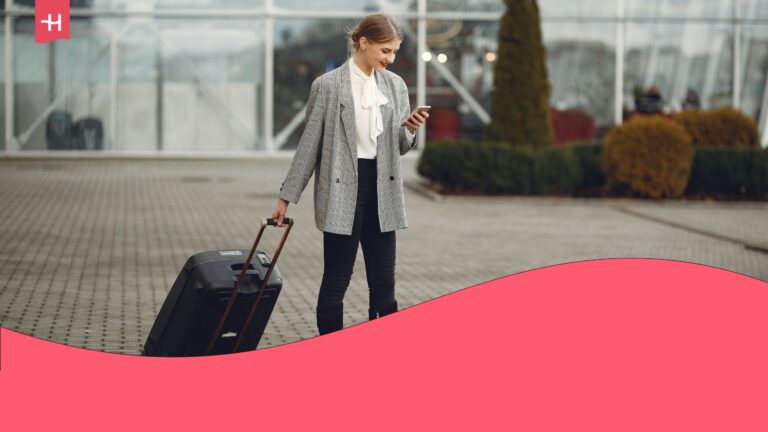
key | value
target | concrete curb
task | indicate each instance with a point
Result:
(420, 187)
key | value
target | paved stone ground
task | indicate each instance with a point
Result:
(90, 247)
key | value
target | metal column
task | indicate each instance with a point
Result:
(10, 139)
(736, 101)
(112, 91)
(618, 106)
(421, 67)
(269, 76)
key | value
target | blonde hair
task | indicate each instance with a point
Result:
(377, 28)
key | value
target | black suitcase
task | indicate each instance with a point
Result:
(216, 305)
(88, 134)
(58, 130)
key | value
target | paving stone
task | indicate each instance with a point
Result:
(91, 247)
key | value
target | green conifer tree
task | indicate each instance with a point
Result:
(520, 99)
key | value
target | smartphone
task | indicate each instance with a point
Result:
(423, 108)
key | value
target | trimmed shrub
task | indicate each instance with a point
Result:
(556, 171)
(723, 127)
(498, 168)
(441, 161)
(729, 172)
(648, 157)
(588, 156)
(507, 170)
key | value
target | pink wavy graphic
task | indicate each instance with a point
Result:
(607, 345)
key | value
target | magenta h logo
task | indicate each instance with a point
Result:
(51, 20)
(52, 23)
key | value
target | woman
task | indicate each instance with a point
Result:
(358, 124)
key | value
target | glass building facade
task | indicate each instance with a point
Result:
(167, 76)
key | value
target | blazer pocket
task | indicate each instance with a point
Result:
(340, 179)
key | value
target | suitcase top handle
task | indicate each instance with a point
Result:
(273, 222)
(288, 224)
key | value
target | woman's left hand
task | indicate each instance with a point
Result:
(416, 120)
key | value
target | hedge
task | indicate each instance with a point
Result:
(497, 168)
(729, 173)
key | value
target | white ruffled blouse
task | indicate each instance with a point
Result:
(368, 121)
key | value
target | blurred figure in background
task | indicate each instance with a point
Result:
(691, 101)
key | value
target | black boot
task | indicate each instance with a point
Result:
(381, 311)
(330, 319)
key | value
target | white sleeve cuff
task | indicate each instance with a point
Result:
(409, 135)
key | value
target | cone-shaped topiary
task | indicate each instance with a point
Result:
(520, 99)
(648, 157)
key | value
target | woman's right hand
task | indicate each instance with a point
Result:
(279, 212)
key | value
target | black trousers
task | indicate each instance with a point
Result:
(340, 251)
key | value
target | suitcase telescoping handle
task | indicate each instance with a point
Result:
(288, 223)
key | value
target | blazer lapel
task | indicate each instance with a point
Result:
(348, 112)
(383, 88)
(386, 109)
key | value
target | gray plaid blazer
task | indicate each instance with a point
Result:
(328, 147)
